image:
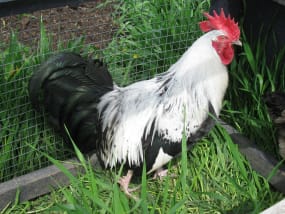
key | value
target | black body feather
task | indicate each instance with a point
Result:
(71, 88)
(152, 144)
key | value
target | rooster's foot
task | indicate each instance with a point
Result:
(124, 184)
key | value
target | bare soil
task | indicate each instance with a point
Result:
(65, 23)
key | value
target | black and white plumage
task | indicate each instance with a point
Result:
(145, 120)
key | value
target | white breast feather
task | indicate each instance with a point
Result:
(162, 159)
(136, 109)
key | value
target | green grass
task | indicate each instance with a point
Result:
(17, 129)
(211, 178)
(250, 78)
(20, 125)
(152, 35)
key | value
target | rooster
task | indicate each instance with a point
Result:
(275, 103)
(145, 121)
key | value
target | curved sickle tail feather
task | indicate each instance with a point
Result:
(52, 65)
(70, 87)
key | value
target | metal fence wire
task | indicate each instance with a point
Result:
(136, 39)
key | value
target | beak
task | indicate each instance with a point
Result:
(238, 42)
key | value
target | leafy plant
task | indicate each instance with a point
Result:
(151, 36)
(211, 178)
(20, 126)
(251, 76)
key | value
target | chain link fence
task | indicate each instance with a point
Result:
(136, 39)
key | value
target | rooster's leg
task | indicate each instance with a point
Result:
(160, 173)
(124, 183)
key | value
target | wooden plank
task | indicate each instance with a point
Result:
(278, 208)
(36, 183)
(261, 162)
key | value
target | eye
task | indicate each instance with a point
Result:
(222, 37)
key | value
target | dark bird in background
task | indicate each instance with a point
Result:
(144, 121)
(275, 102)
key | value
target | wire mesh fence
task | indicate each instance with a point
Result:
(136, 39)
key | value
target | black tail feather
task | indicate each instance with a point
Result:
(69, 87)
(52, 65)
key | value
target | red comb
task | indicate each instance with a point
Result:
(221, 22)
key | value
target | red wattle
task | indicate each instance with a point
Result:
(224, 50)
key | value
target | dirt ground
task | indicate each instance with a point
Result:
(64, 23)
